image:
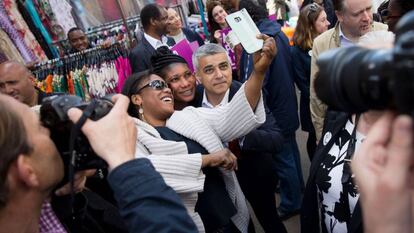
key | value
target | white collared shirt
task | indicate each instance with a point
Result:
(207, 104)
(344, 41)
(155, 43)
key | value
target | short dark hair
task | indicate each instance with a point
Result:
(13, 142)
(256, 11)
(150, 11)
(163, 59)
(74, 29)
(405, 6)
(338, 5)
(131, 85)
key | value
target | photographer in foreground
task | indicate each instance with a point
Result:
(384, 174)
(31, 167)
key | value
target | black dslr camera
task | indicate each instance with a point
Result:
(71, 143)
(356, 79)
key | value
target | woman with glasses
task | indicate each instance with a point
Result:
(171, 138)
(311, 23)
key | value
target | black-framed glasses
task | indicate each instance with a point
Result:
(155, 85)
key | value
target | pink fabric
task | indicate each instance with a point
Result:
(49, 222)
(18, 22)
(184, 49)
(124, 70)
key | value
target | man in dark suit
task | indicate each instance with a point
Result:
(255, 173)
(154, 21)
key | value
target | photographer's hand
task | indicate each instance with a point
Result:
(384, 174)
(79, 183)
(114, 136)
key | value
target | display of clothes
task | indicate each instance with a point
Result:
(31, 8)
(14, 35)
(90, 74)
(8, 49)
(49, 15)
(36, 32)
(20, 24)
(62, 10)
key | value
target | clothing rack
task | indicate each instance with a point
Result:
(112, 24)
(99, 31)
(92, 73)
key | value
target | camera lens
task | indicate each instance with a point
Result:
(354, 79)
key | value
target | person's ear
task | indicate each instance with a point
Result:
(339, 15)
(198, 77)
(136, 99)
(26, 172)
(153, 21)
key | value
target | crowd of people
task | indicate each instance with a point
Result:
(186, 151)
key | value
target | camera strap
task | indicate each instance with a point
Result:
(74, 135)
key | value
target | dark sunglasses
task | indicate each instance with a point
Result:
(155, 85)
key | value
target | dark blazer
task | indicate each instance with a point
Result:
(309, 218)
(145, 202)
(140, 56)
(278, 86)
(193, 36)
(301, 63)
(190, 36)
(267, 138)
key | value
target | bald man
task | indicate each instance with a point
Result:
(18, 82)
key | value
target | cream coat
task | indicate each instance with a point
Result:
(211, 128)
(326, 41)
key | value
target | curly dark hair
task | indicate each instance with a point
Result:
(256, 11)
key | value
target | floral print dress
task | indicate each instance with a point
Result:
(337, 199)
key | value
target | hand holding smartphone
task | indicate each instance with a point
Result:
(245, 30)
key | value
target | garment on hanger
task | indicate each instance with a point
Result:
(3, 57)
(90, 74)
(36, 32)
(8, 49)
(55, 28)
(18, 22)
(14, 35)
(62, 11)
(31, 8)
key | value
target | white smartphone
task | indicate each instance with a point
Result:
(246, 30)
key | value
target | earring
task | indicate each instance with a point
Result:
(141, 113)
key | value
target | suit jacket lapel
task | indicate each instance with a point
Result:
(148, 47)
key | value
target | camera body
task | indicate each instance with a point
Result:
(53, 115)
(357, 79)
